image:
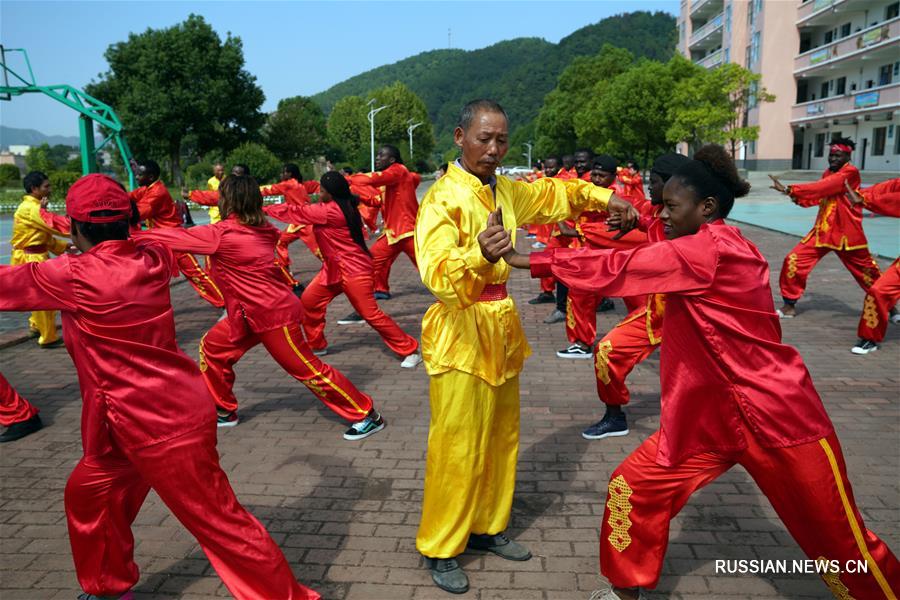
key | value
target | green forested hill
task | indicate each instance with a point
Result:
(518, 73)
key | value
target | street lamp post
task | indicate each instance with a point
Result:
(372, 113)
(409, 130)
(528, 145)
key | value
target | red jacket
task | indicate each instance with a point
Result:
(156, 205)
(400, 206)
(839, 222)
(242, 263)
(722, 356)
(341, 256)
(137, 386)
(882, 198)
(294, 192)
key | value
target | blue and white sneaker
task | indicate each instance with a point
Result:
(607, 427)
(373, 423)
(229, 420)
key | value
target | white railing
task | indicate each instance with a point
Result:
(712, 60)
(707, 29)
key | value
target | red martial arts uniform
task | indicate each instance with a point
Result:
(636, 336)
(838, 228)
(294, 192)
(581, 308)
(158, 210)
(883, 198)
(399, 209)
(261, 308)
(632, 184)
(732, 393)
(147, 422)
(13, 407)
(346, 268)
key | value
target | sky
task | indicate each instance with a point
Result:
(293, 48)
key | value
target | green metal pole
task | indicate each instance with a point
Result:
(88, 152)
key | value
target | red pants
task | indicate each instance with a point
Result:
(13, 407)
(878, 304)
(359, 290)
(105, 493)
(291, 235)
(218, 355)
(384, 255)
(806, 484)
(800, 261)
(369, 216)
(620, 350)
(548, 284)
(581, 314)
(200, 279)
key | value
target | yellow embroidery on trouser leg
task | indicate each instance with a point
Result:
(833, 580)
(792, 265)
(601, 362)
(619, 509)
(870, 312)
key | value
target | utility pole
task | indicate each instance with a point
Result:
(372, 113)
(527, 155)
(409, 130)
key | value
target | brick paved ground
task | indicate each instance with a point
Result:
(346, 513)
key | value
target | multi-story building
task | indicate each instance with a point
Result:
(833, 65)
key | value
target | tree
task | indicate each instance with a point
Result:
(348, 130)
(264, 166)
(296, 131)
(555, 126)
(9, 174)
(166, 84)
(38, 159)
(712, 105)
(404, 108)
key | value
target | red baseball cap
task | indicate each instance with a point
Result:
(97, 192)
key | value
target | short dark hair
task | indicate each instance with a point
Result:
(393, 152)
(473, 107)
(294, 170)
(103, 232)
(243, 167)
(712, 174)
(583, 150)
(34, 179)
(152, 168)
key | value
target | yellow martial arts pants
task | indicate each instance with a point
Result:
(470, 473)
(41, 321)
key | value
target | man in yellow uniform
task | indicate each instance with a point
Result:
(212, 184)
(33, 238)
(472, 341)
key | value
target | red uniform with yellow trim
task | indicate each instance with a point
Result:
(294, 192)
(261, 308)
(146, 423)
(632, 183)
(158, 210)
(399, 209)
(723, 404)
(34, 237)
(882, 198)
(838, 228)
(346, 268)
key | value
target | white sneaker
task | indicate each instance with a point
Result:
(864, 347)
(411, 361)
(539, 245)
(607, 593)
(781, 315)
(895, 318)
(321, 352)
(223, 316)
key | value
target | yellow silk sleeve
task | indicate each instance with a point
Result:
(550, 200)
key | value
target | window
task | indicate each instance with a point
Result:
(885, 74)
(820, 144)
(841, 86)
(891, 11)
(880, 134)
(845, 30)
(754, 50)
(728, 20)
(727, 54)
(751, 100)
(870, 83)
(829, 37)
(896, 143)
(824, 93)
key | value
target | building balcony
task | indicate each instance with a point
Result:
(706, 8)
(813, 13)
(708, 36)
(886, 97)
(710, 61)
(879, 41)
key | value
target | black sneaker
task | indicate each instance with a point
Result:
(298, 289)
(228, 420)
(864, 347)
(557, 316)
(543, 298)
(382, 295)
(606, 305)
(17, 431)
(607, 427)
(448, 575)
(373, 423)
(54, 344)
(351, 319)
(576, 350)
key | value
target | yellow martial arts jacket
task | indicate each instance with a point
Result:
(460, 333)
(30, 230)
(213, 184)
